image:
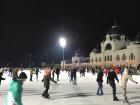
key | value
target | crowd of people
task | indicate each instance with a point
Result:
(14, 93)
(112, 75)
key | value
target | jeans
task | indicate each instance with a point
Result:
(31, 76)
(100, 88)
(113, 85)
(73, 78)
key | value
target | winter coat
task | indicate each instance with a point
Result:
(1, 78)
(100, 76)
(14, 92)
(57, 70)
(112, 76)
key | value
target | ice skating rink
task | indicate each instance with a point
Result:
(65, 93)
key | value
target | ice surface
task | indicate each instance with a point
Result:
(65, 93)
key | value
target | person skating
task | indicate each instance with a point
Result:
(1, 78)
(123, 83)
(73, 75)
(111, 80)
(31, 74)
(37, 72)
(15, 73)
(53, 72)
(93, 70)
(57, 73)
(100, 83)
(46, 80)
(15, 89)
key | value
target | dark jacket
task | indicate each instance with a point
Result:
(112, 76)
(57, 70)
(1, 78)
(99, 76)
(73, 71)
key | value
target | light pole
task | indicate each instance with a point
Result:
(62, 42)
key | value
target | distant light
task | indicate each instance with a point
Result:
(62, 42)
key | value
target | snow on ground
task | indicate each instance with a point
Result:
(65, 93)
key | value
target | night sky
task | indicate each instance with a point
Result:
(34, 27)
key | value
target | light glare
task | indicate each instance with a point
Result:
(62, 42)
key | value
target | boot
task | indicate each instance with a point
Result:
(46, 95)
(125, 100)
(115, 99)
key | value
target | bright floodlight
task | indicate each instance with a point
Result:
(62, 42)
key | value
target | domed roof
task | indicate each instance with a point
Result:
(114, 30)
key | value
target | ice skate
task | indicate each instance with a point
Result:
(115, 99)
(46, 96)
(125, 100)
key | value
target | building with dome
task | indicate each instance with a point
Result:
(116, 49)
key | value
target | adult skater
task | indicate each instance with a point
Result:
(1, 78)
(111, 80)
(73, 75)
(57, 73)
(123, 83)
(46, 80)
(100, 83)
(15, 90)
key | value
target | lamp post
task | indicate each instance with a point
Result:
(62, 42)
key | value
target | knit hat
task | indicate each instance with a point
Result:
(22, 75)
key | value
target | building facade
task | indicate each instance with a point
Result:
(116, 49)
(76, 61)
